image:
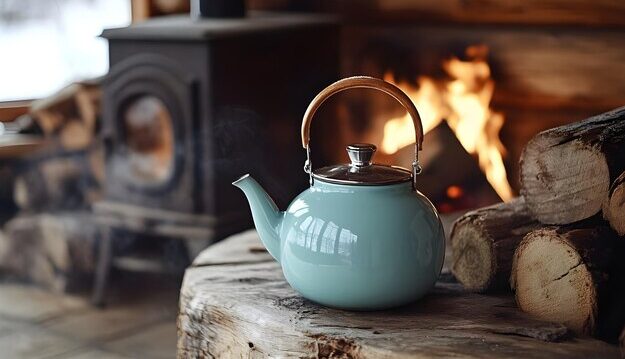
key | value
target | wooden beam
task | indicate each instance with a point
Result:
(532, 67)
(600, 13)
(11, 110)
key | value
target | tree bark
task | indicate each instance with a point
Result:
(483, 243)
(614, 205)
(566, 172)
(559, 274)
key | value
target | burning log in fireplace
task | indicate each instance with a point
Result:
(461, 185)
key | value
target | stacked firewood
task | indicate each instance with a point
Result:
(560, 246)
(50, 241)
(68, 174)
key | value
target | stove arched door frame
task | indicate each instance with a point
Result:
(149, 75)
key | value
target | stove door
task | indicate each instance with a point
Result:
(148, 118)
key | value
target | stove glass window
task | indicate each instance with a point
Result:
(150, 140)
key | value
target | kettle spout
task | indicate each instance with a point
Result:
(267, 217)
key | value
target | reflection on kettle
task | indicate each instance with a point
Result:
(317, 235)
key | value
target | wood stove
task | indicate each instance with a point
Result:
(186, 101)
(192, 104)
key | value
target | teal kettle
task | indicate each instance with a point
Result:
(361, 237)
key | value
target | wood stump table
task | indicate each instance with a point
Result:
(235, 303)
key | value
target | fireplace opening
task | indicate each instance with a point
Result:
(464, 158)
(462, 99)
(149, 138)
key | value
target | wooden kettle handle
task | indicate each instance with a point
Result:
(362, 82)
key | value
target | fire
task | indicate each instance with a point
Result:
(464, 102)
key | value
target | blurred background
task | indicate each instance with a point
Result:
(123, 123)
(52, 43)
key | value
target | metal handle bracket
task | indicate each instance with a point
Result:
(362, 82)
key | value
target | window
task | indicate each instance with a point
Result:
(45, 45)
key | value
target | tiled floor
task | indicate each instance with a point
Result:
(138, 322)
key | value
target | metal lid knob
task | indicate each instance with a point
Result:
(361, 154)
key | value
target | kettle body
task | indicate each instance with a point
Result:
(361, 247)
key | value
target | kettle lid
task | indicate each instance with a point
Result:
(361, 171)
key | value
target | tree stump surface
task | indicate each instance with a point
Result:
(234, 302)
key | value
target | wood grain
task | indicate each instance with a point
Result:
(614, 205)
(248, 310)
(519, 12)
(566, 172)
(560, 273)
(483, 243)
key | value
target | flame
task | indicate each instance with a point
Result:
(464, 102)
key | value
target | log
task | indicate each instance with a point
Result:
(560, 273)
(76, 135)
(483, 243)
(7, 178)
(566, 172)
(57, 183)
(71, 113)
(88, 101)
(241, 306)
(614, 205)
(52, 112)
(53, 251)
(443, 147)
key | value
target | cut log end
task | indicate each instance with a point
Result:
(553, 283)
(614, 206)
(570, 173)
(473, 263)
(483, 242)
